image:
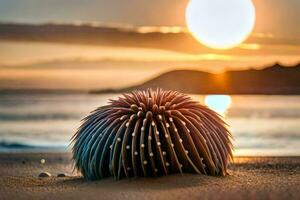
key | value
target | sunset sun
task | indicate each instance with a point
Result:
(220, 24)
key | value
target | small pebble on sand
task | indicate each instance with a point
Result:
(43, 161)
(44, 174)
(61, 175)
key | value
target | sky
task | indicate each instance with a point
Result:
(54, 64)
(280, 17)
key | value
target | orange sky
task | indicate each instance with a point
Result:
(44, 64)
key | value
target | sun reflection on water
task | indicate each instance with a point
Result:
(218, 103)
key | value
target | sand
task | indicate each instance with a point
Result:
(250, 178)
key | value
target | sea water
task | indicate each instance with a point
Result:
(261, 125)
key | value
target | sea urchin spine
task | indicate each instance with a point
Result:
(151, 133)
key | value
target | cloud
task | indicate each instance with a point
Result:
(171, 38)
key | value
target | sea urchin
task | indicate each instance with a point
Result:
(151, 133)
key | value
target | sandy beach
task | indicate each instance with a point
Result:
(250, 178)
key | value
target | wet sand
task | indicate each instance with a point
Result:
(250, 178)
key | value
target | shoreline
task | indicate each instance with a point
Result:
(250, 178)
(110, 91)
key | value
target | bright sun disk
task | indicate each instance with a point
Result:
(220, 24)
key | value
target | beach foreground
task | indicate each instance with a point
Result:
(250, 178)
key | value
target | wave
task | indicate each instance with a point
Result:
(15, 145)
(272, 135)
(264, 113)
(22, 117)
(19, 146)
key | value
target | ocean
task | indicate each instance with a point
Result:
(261, 125)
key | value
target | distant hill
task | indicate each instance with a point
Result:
(276, 79)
